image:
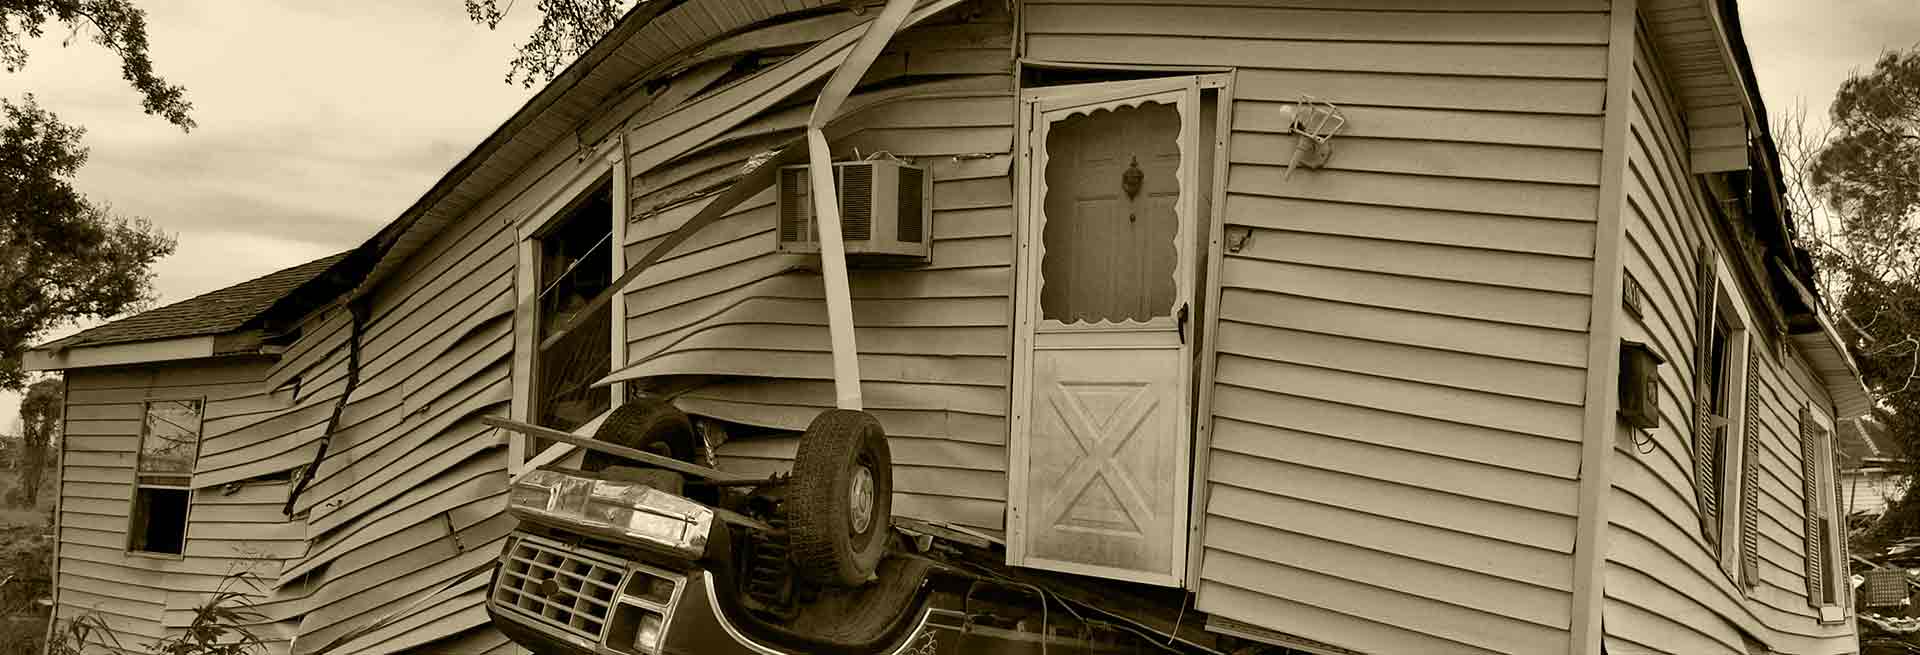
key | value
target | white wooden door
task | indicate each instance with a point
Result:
(1101, 412)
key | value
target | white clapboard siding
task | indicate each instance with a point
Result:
(1664, 589)
(228, 530)
(1398, 397)
(411, 491)
(933, 344)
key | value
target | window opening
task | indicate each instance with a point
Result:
(1111, 225)
(1827, 493)
(576, 264)
(169, 446)
(1719, 394)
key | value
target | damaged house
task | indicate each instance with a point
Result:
(1461, 326)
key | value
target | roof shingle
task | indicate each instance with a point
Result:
(215, 312)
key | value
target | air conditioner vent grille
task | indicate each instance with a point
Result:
(856, 203)
(793, 206)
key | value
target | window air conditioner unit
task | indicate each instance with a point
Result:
(885, 212)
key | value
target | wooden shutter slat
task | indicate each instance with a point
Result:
(1810, 496)
(1844, 593)
(1706, 484)
(1750, 476)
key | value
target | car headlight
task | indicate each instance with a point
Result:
(647, 639)
(627, 511)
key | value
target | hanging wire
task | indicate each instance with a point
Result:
(1643, 441)
(576, 264)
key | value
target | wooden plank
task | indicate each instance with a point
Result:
(1383, 89)
(1339, 452)
(1550, 420)
(1551, 201)
(1426, 226)
(1502, 600)
(1402, 431)
(1492, 557)
(1357, 492)
(1540, 309)
(1411, 327)
(1431, 261)
(1453, 125)
(1317, 24)
(1446, 627)
(1436, 158)
(651, 459)
(1551, 62)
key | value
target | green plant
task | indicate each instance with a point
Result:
(219, 627)
(219, 624)
(75, 635)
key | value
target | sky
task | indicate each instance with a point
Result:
(318, 123)
(321, 121)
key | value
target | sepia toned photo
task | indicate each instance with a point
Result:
(944, 327)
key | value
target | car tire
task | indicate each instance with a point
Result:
(839, 504)
(647, 424)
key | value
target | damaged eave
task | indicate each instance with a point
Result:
(1698, 51)
(54, 358)
(1826, 352)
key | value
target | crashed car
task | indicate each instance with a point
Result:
(643, 551)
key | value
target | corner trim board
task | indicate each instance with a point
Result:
(1603, 360)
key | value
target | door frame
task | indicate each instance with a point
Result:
(1032, 103)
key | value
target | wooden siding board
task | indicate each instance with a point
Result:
(1415, 225)
(1552, 62)
(1441, 624)
(1376, 313)
(1663, 586)
(1453, 92)
(1318, 24)
(1448, 125)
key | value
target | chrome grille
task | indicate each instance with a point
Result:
(558, 588)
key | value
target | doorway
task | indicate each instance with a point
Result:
(1110, 248)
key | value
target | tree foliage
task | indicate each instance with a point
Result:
(40, 413)
(117, 25)
(1855, 188)
(62, 257)
(567, 29)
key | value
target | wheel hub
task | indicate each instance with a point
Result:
(860, 498)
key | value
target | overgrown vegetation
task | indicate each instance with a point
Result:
(1854, 187)
(63, 257)
(567, 29)
(219, 627)
(117, 25)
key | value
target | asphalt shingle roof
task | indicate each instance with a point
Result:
(215, 312)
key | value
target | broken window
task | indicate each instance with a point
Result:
(162, 494)
(575, 265)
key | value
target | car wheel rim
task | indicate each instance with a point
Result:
(860, 498)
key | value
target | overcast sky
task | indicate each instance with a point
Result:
(321, 121)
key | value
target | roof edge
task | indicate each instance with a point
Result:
(116, 354)
(383, 240)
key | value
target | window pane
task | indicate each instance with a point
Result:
(171, 437)
(159, 521)
(576, 264)
(1111, 231)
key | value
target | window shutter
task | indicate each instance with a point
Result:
(1750, 477)
(1843, 595)
(1706, 484)
(1810, 492)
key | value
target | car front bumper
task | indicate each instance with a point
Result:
(555, 597)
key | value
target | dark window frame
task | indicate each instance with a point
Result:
(174, 484)
(557, 281)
